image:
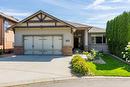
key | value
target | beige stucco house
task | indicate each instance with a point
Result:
(42, 33)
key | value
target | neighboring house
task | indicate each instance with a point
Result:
(42, 33)
(6, 36)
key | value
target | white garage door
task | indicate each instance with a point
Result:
(28, 45)
(42, 44)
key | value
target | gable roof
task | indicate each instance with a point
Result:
(71, 24)
(96, 29)
(91, 29)
(78, 24)
(8, 17)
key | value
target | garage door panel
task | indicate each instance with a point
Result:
(28, 45)
(28, 52)
(37, 40)
(57, 43)
(28, 42)
(37, 52)
(47, 45)
(57, 52)
(48, 51)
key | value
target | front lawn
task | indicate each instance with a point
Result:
(113, 67)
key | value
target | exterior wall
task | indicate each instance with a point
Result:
(9, 39)
(19, 50)
(65, 32)
(100, 47)
(8, 36)
(86, 39)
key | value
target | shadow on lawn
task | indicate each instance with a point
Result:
(112, 63)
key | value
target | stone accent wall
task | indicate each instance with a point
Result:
(67, 50)
(18, 50)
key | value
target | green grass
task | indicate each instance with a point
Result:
(113, 67)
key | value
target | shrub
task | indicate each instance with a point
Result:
(77, 51)
(80, 68)
(79, 65)
(77, 58)
(126, 53)
(92, 54)
(1, 51)
(85, 53)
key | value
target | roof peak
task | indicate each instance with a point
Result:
(8, 17)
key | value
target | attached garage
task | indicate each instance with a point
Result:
(43, 44)
(43, 34)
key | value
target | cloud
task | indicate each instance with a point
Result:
(100, 19)
(18, 13)
(97, 2)
(103, 17)
(13, 12)
(98, 5)
(115, 1)
(105, 5)
(65, 4)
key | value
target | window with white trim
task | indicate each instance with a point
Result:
(98, 39)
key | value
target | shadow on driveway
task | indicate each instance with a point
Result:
(30, 58)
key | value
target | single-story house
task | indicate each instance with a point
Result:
(6, 36)
(42, 33)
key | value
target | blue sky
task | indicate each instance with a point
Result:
(91, 12)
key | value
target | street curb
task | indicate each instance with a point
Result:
(47, 80)
(20, 83)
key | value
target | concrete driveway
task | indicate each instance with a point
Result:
(16, 69)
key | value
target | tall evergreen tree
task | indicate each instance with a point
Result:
(118, 33)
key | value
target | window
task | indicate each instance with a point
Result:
(104, 39)
(6, 25)
(98, 39)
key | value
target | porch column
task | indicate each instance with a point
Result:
(86, 40)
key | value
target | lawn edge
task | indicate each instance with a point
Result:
(118, 58)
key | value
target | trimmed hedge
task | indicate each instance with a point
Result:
(118, 33)
(79, 66)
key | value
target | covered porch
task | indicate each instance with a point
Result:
(89, 38)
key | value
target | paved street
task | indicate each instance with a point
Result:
(89, 82)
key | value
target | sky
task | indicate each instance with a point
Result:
(90, 12)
